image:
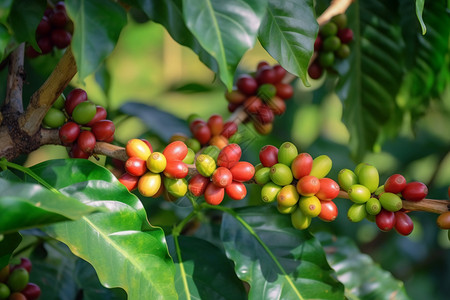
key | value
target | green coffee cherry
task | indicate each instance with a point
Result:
(340, 20)
(391, 202)
(359, 193)
(262, 176)
(369, 177)
(286, 209)
(347, 178)
(212, 151)
(18, 280)
(4, 291)
(190, 157)
(373, 206)
(343, 51)
(329, 29)
(326, 59)
(205, 165)
(288, 196)
(194, 144)
(281, 174)
(192, 117)
(84, 112)
(310, 206)
(176, 187)
(357, 212)
(54, 118)
(269, 192)
(59, 103)
(380, 190)
(321, 166)
(287, 153)
(299, 220)
(331, 43)
(359, 166)
(371, 218)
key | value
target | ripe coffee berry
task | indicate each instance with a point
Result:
(247, 84)
(175, 151)
(222, 177)
(395, 184)
(68, 133)
(229, 156)
(403, 223)
(214, 194)
(242, 171)
(129, 181)
(268, 155)
(308, 185)
(414, 191)
(86, 141)
(197, 185)
(236, 190)
(385, 220)
(103, 130)
(75, 97)
(135, 166)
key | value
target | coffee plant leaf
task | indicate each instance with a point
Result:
(8, 243)
(362, 277)
(288, 32)
(225, 29)
(203, 271)
(275, 259)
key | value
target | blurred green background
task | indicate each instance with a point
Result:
(149, 67)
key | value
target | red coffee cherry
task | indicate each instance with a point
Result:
(229, 129)
(385, 220)
(265, 75)
(414, 191)
(69, 132)
(75, 97)
(268, 155)
(103, 130)
(175, 151)
(318, 43)
(129, 181)
(308, 185)
(242, 171)
(32, 291)
(136, 166)
(235, 97)
(329, 189)
(213, 194)
(197, 185)
(60, 38)
(76, 152)
(24, 263)
(247, 84)
(280, 72)
(262, 64)
(233, 106)
(222, 177)
(236, 190)
(59, 19)
(301, 165)
(403, 223)
(315, 70)
(328, 212)
(44, 27)
(345, 35)
(201, 132)
(284, 90)
(99, 115)
(265, 114)
(277, 105)
(148, 144)
(86, 141)
(229, 156)
(215, 124)
(252, 104)
(176, 169)
(395, 184)
(45, 44)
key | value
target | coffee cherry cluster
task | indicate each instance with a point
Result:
(81, 123)
(382, 204)
(214, 132)
(14, 282)
(54, 30)
(331, 44)
(298, 183)
(262, 94)
(221, 173)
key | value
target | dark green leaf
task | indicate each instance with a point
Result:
(8, 243)
(4, 41)
(369, 77)
(419, 12)
(288, 32)
(225, 29)
(362, 277)
(25, 205)
(160, 122)
(5, 8)
(97, 24)
(24, 18)
(278, 261)
(203, 271)
(169, 13)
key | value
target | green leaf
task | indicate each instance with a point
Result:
(4, 41)
(169, 13)
(160, 122)
(203, 271)
(225, 29)
(26, 205)
(369, 77)
(8, 243)
(24, 18)
(419, 11)
(5, 8)
(97, 24)
(278, 261)
(125, 250)
(362, 277)
(288, 32)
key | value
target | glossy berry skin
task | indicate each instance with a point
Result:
(32, 291)
(176, 187)
(277, 105)
(229, 156)
(329, 189)
(280, 72)
(17, 296)
(265, 114)
(197, 185)
(75, 97)
(103, 130)
(242, 171)
(86, 141)
(443, 221)
(202, 133)
(136, 148)
(345, 35)
(265, 74)
(100, 114)
(253, 104)
(395, 184)
(301, 165)
(149, 184)
(287, 196)
(60, 38)
(308, 185)
(69, 132)
(236, 190)
(315, 70)
(59, 18)
(219, 141)
(84, 112)
(76, 152)
(44, 27)
(213, 194)
(176, 169)
(247, 84)
(156, 162)
(403, 223)
(414, 191)
(215, 124)
(222, 177)
(235, 97)
(175, 151)
(129, 181)
(328, 212)
(24, 263)
(18, 279)
(268, 155)
(45, 44)
(54, 118)
(148, 144)
(318, 43)
(136, 166)
(229, 129)
(385, 220)
(284, 90)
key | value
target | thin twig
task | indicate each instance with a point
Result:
(16, 76)
(337, 7)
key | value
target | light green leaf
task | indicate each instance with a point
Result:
(419, 11)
